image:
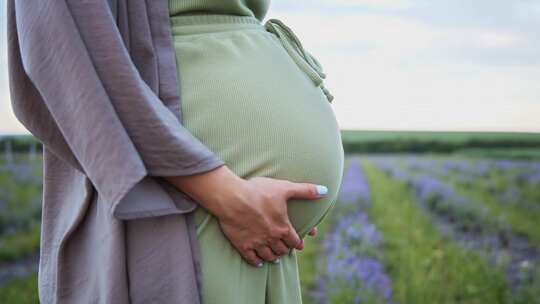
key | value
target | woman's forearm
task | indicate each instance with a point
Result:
(210, 189)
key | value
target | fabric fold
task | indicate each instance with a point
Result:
(75, 86)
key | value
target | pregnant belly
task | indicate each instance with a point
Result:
(246, 99)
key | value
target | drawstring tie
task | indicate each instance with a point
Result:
(309, 64)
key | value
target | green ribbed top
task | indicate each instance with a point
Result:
(254, 8)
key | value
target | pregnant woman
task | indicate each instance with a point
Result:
(255, 97)
(94, 81)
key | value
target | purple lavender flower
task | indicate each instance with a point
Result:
(352, 246)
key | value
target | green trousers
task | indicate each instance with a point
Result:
(227, 278)
(263, 110)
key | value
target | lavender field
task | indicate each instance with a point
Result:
(407, 229)
(419, 229)
(20, 219)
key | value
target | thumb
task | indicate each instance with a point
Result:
(306, 191)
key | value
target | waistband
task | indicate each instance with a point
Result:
(201, 23)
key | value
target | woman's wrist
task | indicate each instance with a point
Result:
(211, 189)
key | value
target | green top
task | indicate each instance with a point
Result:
(254, 8)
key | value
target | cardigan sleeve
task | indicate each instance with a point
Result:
(74, 86)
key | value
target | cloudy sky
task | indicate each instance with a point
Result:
(412, 64)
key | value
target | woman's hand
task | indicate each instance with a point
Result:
(313, 231)
(251, 213)
(257, 223)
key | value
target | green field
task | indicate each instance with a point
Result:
(474, 144)
(422, 217)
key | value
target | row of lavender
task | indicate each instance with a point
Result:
(353, 270)
(469, 222)
(512, 181)
(20, 215)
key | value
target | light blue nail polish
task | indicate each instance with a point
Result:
(276, 261)
(322, 190)
(260, 264)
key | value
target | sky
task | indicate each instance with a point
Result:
(452, 65)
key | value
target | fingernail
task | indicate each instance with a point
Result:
(301, 245)
(260, 264)
(322, 190)
(276, 261)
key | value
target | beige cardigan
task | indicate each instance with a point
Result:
(96, 83)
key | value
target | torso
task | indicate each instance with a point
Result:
(245, 98)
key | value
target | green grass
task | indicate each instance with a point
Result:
(478, 144)
(521, 220)
(502, 152)
(424, 266)
(452, 137)
(20, 290)
(530, 293)
(21, 243)
(18, 200)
